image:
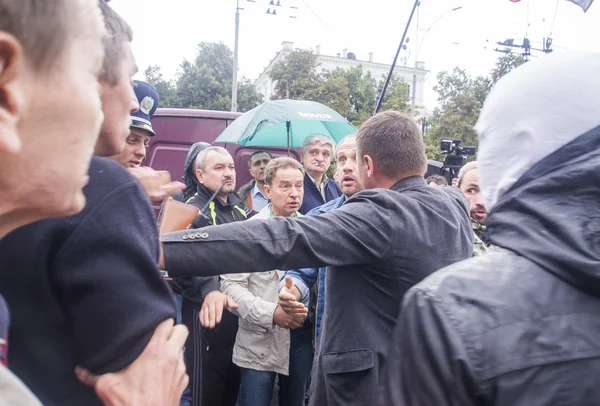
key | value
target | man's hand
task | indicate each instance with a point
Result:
(212, 308)
(157, 184)
(156, 378)
(289, 297)
(282, 319)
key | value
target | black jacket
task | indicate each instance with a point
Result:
(378, 244)
(313, 197)
(520, 326)
(219, 212)
(84, 290)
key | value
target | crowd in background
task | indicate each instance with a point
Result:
(376, 286)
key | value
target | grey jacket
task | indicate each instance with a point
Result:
(377, 245)
(260, 344)
(519, 326)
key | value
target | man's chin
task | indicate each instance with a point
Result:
(480, 218)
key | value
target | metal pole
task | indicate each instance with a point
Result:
(414, 82)
(234, 84)
(389, 77)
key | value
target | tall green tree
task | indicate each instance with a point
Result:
(460, 98)
(296, 74)
(165, 88)
(396, 96)
(205, 83)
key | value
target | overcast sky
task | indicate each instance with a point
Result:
(167, 31)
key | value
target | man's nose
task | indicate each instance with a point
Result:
(140, 152)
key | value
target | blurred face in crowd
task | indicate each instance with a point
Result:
(135, 148)
(347, 169)
(257, 166)
(317, 158)
(52, 115)
(286, 191)
(218, 168)
(118, 102)
(470, 187)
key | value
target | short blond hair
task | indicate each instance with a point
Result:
(280, 163)
(464, 170)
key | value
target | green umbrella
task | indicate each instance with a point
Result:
(285, 123)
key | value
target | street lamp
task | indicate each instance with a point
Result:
(414, 84)
(234, 84)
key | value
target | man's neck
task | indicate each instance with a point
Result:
(223, 197)
(317, 176)
(277, 213)
(261, 186)
(11, 219)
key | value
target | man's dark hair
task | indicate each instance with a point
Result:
(256, 153)
(394, 142)
(42, 27)
(438, 180)
(119, 33)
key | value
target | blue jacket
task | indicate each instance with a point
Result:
(313, 197)
(305, 278)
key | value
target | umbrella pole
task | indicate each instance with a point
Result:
(287, 125)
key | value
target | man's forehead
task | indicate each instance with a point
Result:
(347, 147)
(138, 133)
(320, 145)
(261, 157)
(219, 157)
(288, 175)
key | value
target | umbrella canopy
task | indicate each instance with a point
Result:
(285, 123)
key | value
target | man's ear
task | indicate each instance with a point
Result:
(12, 92)
(200, 176)
(268, 191)
(369, 165)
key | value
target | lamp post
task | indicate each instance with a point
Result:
(414, 84)
(234, 84)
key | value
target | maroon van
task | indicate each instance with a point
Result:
(176, 131)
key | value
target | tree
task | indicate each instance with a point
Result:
(333, 92)
(206, 82)
(166, 89)
(362, 92)
(505, 64)
(396, 97)
(297, 73)
(461, 98)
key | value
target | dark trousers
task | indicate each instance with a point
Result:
(220, 376)
(293, 388)
(214, 378)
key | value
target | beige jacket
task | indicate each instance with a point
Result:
(260, 343)
(13, 392)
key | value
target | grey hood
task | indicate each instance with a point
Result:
(540, 166)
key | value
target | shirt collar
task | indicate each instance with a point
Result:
(271, 215)
(256, 190)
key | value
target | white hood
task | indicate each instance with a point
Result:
(532, 112)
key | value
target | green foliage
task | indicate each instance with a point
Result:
(297, 74)
(166, 89)
(205, 83)
(351, 92)
(460, 98)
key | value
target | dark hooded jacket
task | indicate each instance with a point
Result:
(519, 326)
(189, 174)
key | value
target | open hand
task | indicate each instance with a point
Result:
(282, 319)
(211, 312)
(157, 184)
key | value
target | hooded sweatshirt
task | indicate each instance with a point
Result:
(519, 326)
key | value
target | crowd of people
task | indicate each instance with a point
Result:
(376, 286)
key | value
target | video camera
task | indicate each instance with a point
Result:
(456, 157)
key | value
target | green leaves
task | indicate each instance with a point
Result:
(461, 98)
(204, 83)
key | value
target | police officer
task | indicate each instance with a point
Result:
(141, 130)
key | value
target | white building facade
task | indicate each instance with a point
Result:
(266, 86)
